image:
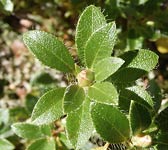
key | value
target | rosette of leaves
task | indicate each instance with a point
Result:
(98, 88)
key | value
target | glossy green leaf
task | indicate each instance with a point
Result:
(142, 93)
(43, 144)
(103, 92)
(110, 123)
(6, 145)
(106, 67)
(140, 118)
(137, 94)
(90, 20)
(27, 130)
(49, 50)
(100, 44)
(137, 63)
(140, 59)
(73, 99)
(79, 125)
(49, 107)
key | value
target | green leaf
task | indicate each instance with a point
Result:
(49, 107)
(6, 145)
(110, 123)
(140, 59)
(100, 44)
(155, 92)
(43, 144)
(103, 92)
(162, 120)
(4, 115)
(137, 63)
(142, 93)
(30, 102)
(90, 20)
(162, 141)
(63, 138)
(140, 118)
(79, 125)
(27, 130)
(134, 43)
(106, 67)
(49, 50)
(73, 99)
(137, 94)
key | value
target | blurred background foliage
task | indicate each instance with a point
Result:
(140, 24)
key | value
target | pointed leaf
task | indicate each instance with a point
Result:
(6, 145)
(27, 130)
(90, 20)
(141, 59)
(103, 92)
(100, 44)
(137, 94)
(142, 93)
(49, 50)
(110, 123)
(137, 63)
(79, 125)
(140, 118)
(49, 107)
(43, 144)
(73, 99)
(106, 67)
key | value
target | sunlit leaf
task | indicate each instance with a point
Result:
(49, 50)
(110, 123)
(100, 44)
(73, 99)
(79, 125)
(103, 92)
(90, 20)
(49, 107)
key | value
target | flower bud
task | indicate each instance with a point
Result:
(85, 78)
(142, 140)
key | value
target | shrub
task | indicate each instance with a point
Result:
(101, 95)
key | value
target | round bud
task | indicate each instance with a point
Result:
(85, 78)
(142, 140)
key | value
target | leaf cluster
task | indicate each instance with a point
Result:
(113, 105)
